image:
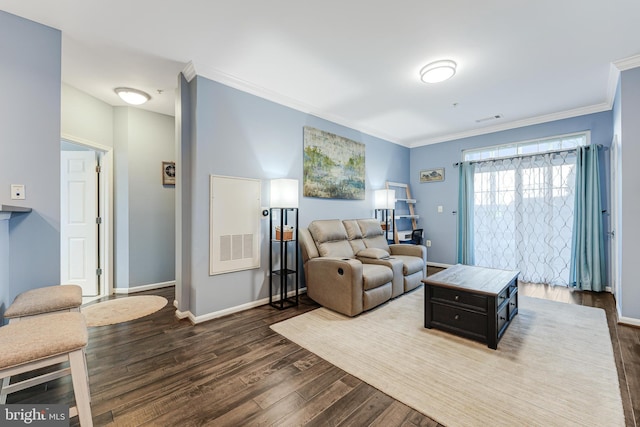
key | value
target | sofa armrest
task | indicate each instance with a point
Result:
(419, 251)
(336, 283)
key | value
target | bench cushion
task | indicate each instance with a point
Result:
(41, 337)
(45, 300)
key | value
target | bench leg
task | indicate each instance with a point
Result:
(3, 395)
(81, 387)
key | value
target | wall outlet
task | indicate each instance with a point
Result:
(428, 243)
(18, 192)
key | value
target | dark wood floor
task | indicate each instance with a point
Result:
(235, 371)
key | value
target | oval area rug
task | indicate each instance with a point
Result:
(122, 309)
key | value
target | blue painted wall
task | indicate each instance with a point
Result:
(30, 153)
(144, 236)
(241, 135)
(440, 228)
(144, 214)
(86, 118)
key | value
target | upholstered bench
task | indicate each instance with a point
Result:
(38, 302)
(45, 300)
(38, 342)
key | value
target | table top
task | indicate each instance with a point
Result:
(483, 280)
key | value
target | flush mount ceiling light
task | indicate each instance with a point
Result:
(438, 71)
(132, 96)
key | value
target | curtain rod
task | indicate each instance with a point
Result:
(455, 165)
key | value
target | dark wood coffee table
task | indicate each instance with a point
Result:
(473, 302)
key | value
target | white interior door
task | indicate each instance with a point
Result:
(79, 245)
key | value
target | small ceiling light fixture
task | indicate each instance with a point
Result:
(438, 71)
(132, 96)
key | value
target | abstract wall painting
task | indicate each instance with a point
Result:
(334, 166)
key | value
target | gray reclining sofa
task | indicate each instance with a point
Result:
(349, 267)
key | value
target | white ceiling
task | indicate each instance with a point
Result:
(356, 62)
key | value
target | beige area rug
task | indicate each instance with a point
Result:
(553, 367)
(122, 309)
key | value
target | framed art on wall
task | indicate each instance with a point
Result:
(432, 175)
(168, 173)
(333, 166)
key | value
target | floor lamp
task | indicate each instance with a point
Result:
(385, 201)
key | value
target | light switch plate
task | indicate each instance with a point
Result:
(18, 192)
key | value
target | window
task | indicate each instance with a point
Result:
(537, 146)
(523, 206)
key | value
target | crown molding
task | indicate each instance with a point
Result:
(237, 83)
(612, 84)
(270, 95)
(189, 72)
(627, 63)
(597, 108)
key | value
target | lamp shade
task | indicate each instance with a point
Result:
(284, 193)
(384, 199)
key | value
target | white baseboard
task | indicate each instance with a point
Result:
(210, 316)
(186, 315)
(629, 321)
(144, 287)
(183, 314)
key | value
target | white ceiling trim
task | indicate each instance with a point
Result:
(597, 108)
(628, 63)
(612, 84)
(189, 72)
(278, 98)
(227, 79)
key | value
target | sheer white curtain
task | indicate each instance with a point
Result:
(523, 215)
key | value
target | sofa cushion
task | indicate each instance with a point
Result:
(340, 249)
(411, 264)
(331, 238)
(370, 227)
(354, 234)
(373, 234)
(352, 228)
(374, 275)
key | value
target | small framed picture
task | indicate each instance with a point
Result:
(432, 175)
(168, 173)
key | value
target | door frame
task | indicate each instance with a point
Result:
(104, 156)
(615, 235)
